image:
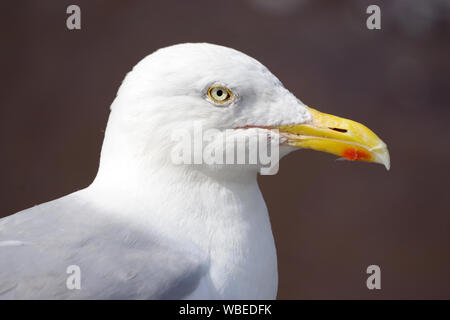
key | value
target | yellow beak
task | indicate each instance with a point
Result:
(345, 138)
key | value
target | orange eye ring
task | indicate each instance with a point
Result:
(219, 94)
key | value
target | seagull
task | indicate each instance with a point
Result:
(149, 228)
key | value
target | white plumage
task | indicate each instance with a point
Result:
(147, 228)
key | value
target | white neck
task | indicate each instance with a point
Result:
(220, 211)
(223, 214)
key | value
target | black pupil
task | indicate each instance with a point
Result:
(219, 92)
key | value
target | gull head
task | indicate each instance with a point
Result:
(193, 101)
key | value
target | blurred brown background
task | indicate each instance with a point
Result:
(331, 219)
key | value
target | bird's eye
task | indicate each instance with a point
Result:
(219, 94)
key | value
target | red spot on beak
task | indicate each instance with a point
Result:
(356, 154)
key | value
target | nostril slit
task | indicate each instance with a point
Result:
(339, 130)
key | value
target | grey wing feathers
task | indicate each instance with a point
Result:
(37, 246)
